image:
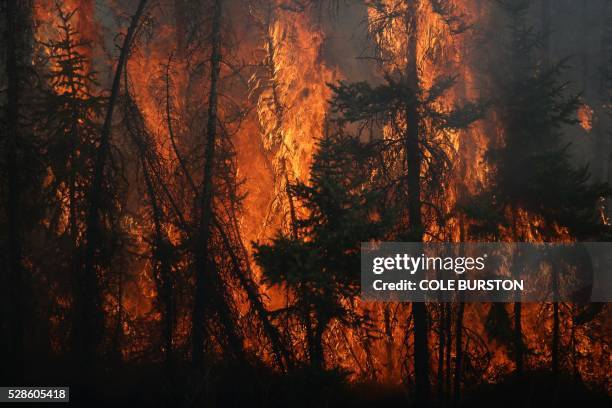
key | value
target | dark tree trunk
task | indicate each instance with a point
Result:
(555, 331)
(180, 18)
(310, 340)
(518, 329)
(441, 350)
(413, 163)
(87, 311)
(14, 273)
(206, 197)
(546, 29)
(319, 356)
(449, 342)
(162, 270)
(389, 341)
(458, 354)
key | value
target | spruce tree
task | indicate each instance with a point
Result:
(418, 153)
(533, 171)
(320, 263)
(70, 123)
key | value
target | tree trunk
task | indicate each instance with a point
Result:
(319, 357)
(546, 32)
(449, 340)
(206, 197)
(162, 270)
(415, 232)
(555, 331)
(15, 273)
(180, 18)
(518, 329)
(389, 341)
(441, 349)
(546, 29)
(87, 309)
(458, 354)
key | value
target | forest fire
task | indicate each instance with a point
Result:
(186, 185)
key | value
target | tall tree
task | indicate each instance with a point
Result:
(533, 173)
(87, 303)
(418, 129)
(163, 252)
(319, 264)
(70, 112)
(203, 262)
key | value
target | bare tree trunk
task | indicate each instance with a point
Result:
(413, 163)
(87, 309)
(206, 197)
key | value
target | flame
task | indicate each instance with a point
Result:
(291, 103)
(275, 146)
(585, 117)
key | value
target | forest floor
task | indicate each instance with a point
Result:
(154, 385)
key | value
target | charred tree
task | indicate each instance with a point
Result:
(415, 230)
(163, 252)
(406, 106)
(534, 173)
(203, 261)
(70, 111)
(319, 266)
(88, 314)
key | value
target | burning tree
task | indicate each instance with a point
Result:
(136, 167)
(418, 126)
(70, 113)
(319, 260)
(535, 192)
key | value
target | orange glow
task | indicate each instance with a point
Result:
(585, 116)
(274, 146)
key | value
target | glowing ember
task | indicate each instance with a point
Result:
(585, 116)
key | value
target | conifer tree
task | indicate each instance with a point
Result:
(320, 264)
(418, 148)
(70, 120)
(533, 171)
